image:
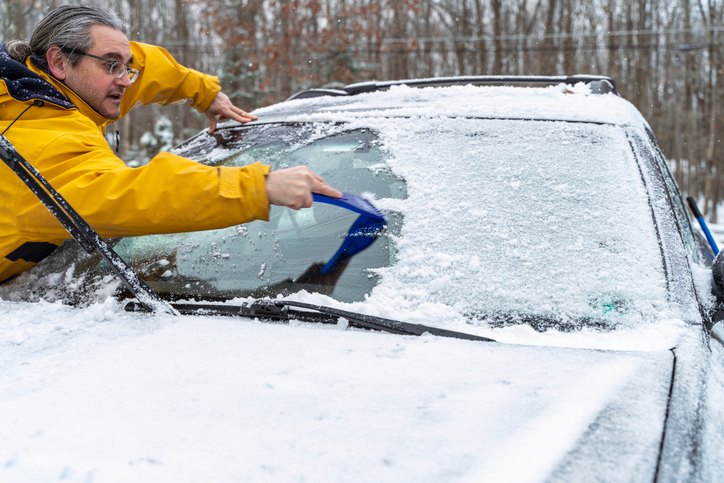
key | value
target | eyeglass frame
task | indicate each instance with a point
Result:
(111, 63)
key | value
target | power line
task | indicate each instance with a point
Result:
(559, 35)
(545, 48)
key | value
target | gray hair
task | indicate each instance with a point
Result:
(67, 27)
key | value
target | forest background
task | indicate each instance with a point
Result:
(665, 55)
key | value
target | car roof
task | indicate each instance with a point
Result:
(572, 98)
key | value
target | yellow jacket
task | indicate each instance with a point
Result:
(65, 141)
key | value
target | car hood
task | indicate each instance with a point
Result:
(130, 398)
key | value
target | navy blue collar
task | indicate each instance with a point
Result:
(24, 84)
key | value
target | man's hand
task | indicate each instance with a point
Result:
(222, 109)
(293, 187)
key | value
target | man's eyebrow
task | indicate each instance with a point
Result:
(118, 57)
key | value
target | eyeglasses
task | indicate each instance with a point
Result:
(115, 68)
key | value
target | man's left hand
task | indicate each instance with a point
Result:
(222, 109)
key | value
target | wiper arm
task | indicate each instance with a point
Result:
(78, 227)
(284, 310)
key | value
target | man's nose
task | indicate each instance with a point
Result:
(124, 80)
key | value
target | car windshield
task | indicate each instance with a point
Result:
(499, 220)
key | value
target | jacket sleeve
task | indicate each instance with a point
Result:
(165, 81)
(169, 194)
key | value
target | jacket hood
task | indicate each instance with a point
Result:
(24, 85)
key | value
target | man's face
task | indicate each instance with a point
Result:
(90, 79)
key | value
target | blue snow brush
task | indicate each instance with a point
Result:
(363, 232)
(702, 223)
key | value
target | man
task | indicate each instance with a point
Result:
(59, 92)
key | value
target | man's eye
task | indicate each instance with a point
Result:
(113, 68)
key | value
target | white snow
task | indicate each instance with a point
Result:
(555, 102)
(101, 395)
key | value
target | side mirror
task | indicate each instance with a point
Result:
(717, 271)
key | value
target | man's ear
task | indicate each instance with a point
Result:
(57, 62)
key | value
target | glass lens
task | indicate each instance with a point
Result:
(116, 69)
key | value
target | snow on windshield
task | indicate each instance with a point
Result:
(508, 219)
(513, 217)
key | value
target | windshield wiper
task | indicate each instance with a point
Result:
(78, 228)
(284, 310)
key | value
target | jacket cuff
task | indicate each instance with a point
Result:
(211, 88)
(248, 185)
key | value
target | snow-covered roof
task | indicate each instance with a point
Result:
(559, 102)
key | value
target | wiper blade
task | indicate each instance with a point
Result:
(379, 323)
(284, 310)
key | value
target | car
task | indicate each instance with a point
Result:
(534, 214)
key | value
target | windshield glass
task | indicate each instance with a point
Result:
(500, 220)
(283, 255)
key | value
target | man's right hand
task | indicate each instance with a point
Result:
(293, 187)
